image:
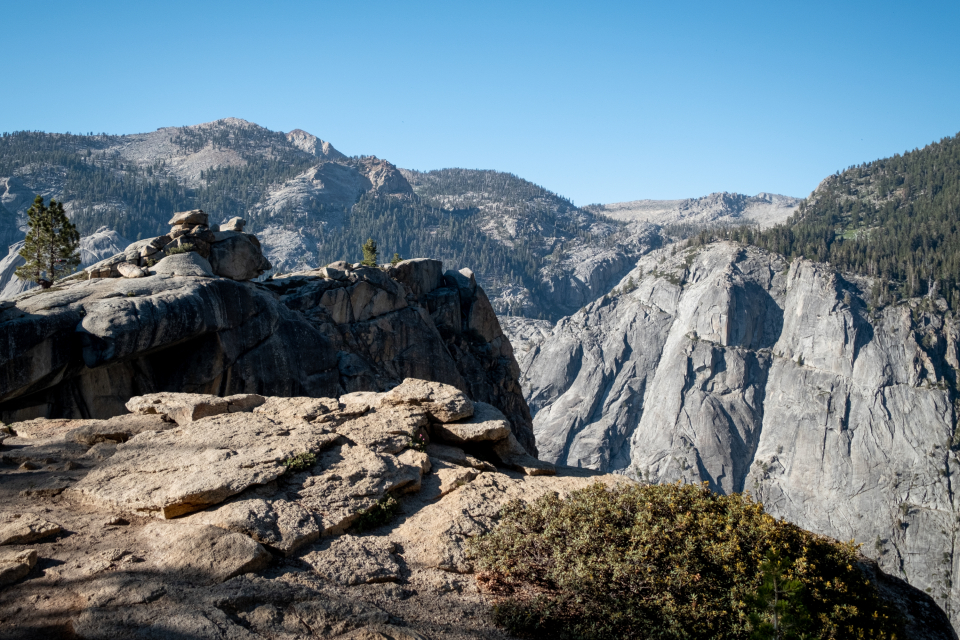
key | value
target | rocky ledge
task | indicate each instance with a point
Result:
(243, 517)
(181, 314)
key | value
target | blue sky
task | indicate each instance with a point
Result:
(599, 101)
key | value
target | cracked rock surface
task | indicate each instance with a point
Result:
(240, 522)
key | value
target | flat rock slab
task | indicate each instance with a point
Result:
(15, 564)
(390, 430)
(184, 408)
(44, 428)
(26, 528)
(118, 429)
(442, 402)
(203, 554)
(297, 410)
(171, 473)
(353, 480)
(447, 477)
(351, 560)
(195, 217)
(279, 524)
(486, 424)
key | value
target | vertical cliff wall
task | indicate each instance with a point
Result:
(727, 365)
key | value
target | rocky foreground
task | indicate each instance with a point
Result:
(191, 517)
(250, 517)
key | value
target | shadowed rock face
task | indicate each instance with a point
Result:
(84, 348)
(729, 366)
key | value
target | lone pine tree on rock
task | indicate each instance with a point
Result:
(51, 246)
(369, 253)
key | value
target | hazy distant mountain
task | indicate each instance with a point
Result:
(765, 209)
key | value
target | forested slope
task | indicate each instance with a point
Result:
(895, 219)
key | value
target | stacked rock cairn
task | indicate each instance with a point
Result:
(231, 252)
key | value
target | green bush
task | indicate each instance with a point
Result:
(300, 462)
(379, 514)
(669, 561)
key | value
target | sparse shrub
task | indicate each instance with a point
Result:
(667, 561)
(396, 259)
(184, 248)
(300, 462)
(377, 515)
(419, 442)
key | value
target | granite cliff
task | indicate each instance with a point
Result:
(181, 313)
(726, 364)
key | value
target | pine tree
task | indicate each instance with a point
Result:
(396, 259)
(369, 253)
(778, 613)
(51, 246)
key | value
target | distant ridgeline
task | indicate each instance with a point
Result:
(105, 188)
(896, 219)
(312, 208)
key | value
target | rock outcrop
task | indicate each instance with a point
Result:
(169, 527)
(303, 544)
(727, 365)
(188, 324)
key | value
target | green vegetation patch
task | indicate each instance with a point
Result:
(377, 515)
(672, 561)
(300, 462)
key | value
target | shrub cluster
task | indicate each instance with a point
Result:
(671, 561)
(379, 514)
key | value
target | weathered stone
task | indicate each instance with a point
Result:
(351, 560)
(128, 270)
(279, 524)
(184, 408)
(238, 257)
(197, 216)
(16, 564)
(333, 274)
(420, 275)
(181, 265)
(233, 224)
(513, 456)
(26, 528)
(390, 430)
(171, 473)
(440, 401)
(449, 477)
(486, 424)
(203, 554)
(48, 487)
(464, 281)
(353, 480)
(118, 429)
(297, 410)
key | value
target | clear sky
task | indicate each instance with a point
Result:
(598, 101)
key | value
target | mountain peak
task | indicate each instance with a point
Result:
(313, 145)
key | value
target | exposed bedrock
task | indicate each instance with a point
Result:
(84, 348)
(726, 364)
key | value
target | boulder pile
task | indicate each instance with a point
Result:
(227, 252)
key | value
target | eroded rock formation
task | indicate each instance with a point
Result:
(163, 316)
